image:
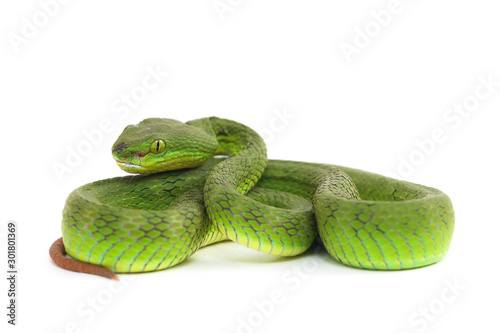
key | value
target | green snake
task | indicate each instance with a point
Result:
(188, 196)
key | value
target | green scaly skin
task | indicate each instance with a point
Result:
(152, 222)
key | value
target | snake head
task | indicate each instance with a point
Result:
(157, 145)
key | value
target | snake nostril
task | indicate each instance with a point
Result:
(119, 147)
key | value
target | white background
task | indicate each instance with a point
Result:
(256, 60)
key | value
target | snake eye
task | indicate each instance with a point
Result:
(158, 146)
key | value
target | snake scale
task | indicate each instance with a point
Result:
(188, 197)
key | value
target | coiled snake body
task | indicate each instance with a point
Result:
(190, 199)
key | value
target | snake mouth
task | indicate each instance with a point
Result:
(120, 162)
(128, 166)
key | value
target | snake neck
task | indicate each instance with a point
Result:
(247, 151)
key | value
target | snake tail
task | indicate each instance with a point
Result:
(57, 253)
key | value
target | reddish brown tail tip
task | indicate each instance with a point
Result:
(57, 253)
